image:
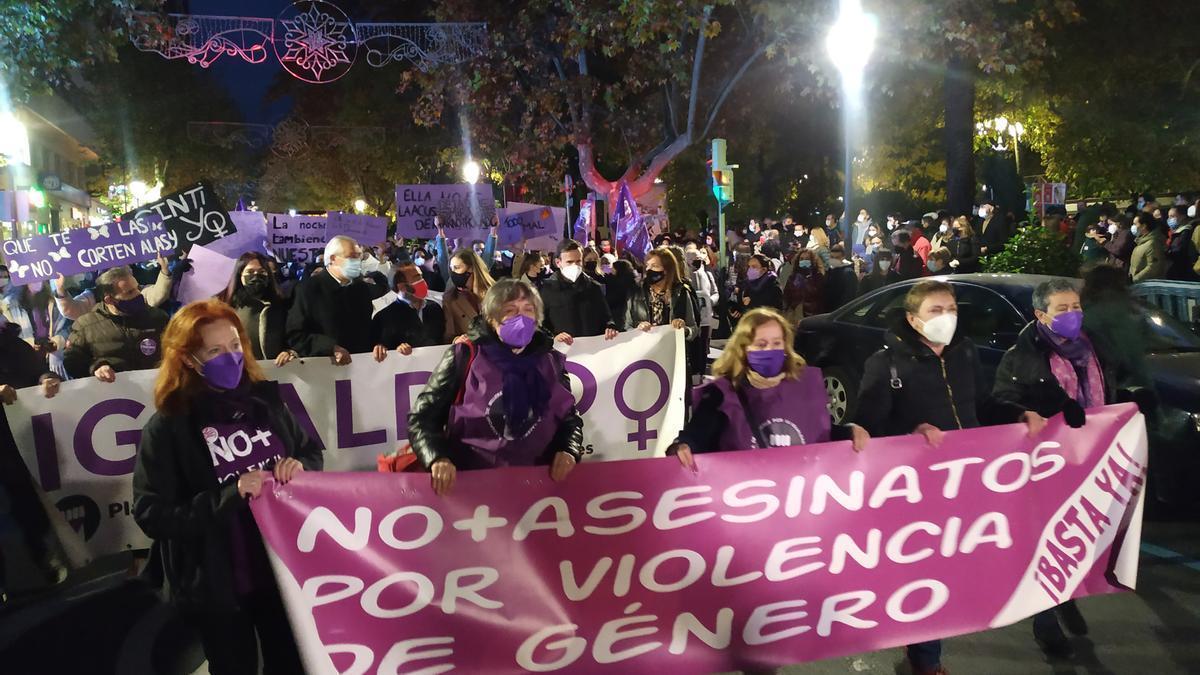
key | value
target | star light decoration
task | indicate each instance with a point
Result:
(312, 39)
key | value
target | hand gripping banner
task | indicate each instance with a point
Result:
(760, 559)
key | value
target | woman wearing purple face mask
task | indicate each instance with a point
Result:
(760, 288)
(500, 398)
(1055, 368)
(762, 396)
(219, 432)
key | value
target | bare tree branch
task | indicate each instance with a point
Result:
(730, 84)
(697, 68)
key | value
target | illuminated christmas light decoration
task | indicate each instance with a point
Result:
(313, 40)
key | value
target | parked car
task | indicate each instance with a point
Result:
(992, 310)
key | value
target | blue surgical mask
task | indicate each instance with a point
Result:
(804, 264)
(1172, 223)
(1133, 230)
(352, 268)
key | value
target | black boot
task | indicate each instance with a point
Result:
(1073, 618)
(1050, 637)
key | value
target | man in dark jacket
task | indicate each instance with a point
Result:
(926, 381)
(412, 319)
(121, 333)
(331, 314)
(1181, 247)
(993, 231)
(1053, 368)
(575, 302)
(841, 283)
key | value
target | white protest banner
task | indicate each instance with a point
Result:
(297, 237)
(465, 210)
(80, 445)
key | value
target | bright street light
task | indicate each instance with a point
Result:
(292, 212)
(471, 171)
(360, 205)
(14, 139)
(850, 42)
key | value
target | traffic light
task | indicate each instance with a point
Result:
(722, 173)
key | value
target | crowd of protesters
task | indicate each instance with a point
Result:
(503, 310)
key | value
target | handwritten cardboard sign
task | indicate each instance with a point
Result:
(90, 248)
(465, 211)
(195, 215)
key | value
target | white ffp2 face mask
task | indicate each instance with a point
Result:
(571, 272)
(940, 329)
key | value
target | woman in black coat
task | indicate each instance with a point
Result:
(260, 305)
(499, 398)
(23, 366)
(662, 299)
(964, 247)
(219, 432)
(759, 288)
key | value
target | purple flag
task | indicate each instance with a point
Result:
(583, 224)
(628, 228)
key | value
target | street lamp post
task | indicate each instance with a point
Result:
(850, 41)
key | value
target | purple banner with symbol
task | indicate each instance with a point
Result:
(760, 559)
(465, 210)
(89, 248)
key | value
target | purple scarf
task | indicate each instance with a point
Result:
(523, 387)
(1077, 352)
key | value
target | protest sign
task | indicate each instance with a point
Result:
(90, 248)
(297, 237)
(550, 239)
(465, 210)
(209, 275)
(366, 230)
(80, 445)
(251, 235)
(528, 224)
(195, 215)
(762, 559)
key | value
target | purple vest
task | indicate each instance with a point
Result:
(478, 423)
(794, 412)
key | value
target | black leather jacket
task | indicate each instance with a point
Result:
(431, 411)
(682, 307)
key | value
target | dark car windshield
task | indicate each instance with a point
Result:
(1168, 334)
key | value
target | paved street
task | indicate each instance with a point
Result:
(104, 626)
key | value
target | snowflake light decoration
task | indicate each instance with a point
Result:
(316, 42)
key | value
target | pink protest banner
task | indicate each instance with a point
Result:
(762, 558)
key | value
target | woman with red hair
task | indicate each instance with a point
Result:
(219, 432)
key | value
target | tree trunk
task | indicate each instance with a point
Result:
(959, 92)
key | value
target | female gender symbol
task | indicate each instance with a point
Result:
(588, 380)
(643, 435)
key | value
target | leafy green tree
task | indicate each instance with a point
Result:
(1035, 250)
(44, 42)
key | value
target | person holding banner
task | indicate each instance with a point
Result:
(156, 294)
(469, 282)
(1053, 368)
(500, 399)
(925, 381)
(662, 298)
(22, 366)
(413, 320)
(120, 334)
(574, 301)
(762, 396)
(254, 294)
(331, 312)
(32, 308)
(220, 432)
